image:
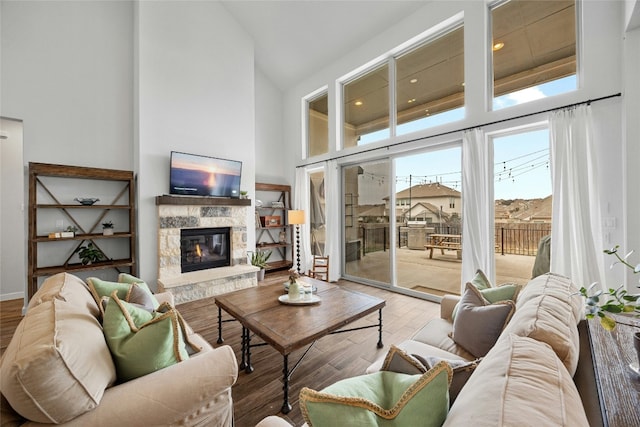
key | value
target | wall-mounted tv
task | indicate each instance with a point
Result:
(196, 175)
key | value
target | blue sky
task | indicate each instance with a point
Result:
(521, 161)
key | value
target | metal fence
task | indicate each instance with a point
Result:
(516, 238)
(519, 238)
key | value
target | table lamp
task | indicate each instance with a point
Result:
(296, 218)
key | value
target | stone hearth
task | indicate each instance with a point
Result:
(176, 213)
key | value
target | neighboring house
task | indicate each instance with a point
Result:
(426, 212)
(431, 202)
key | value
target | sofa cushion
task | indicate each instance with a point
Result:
(550, 320)
(478, 324)
(557, 286)
(61, 365)
(526, 381)
(143, 342)
(381, 398)
(437, 333)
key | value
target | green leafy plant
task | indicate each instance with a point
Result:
(260, 258)
(72, 228)
(618, 300)
(89, 254)
(107, 224)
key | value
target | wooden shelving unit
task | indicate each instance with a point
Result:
(122, 200)
(268, 236)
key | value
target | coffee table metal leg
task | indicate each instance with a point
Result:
(243, 345)
(220, 340)
(380, 345)
(248, 369)
(286, 407)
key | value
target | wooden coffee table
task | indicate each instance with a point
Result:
(287, 328)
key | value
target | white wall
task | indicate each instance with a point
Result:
(195, 89)
(67, 73)
(120, 84)
(631, 151)
(273, 158)
(601, 61)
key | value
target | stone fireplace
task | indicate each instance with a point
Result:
(202, 247)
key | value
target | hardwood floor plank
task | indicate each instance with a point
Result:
(332, 358)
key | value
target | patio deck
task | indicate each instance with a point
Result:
(437, 276)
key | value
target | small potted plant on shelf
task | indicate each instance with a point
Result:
(243, 194)
(259, 259)
(89, 254)
(107, 228)
(70, 231)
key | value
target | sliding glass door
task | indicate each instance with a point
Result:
(428, 205)
(366, 222)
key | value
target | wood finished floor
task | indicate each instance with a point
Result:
(332, 358)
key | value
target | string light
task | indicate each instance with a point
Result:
(507, 171)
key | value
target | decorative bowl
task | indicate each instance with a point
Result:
(87, 201)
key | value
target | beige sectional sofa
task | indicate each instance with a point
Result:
(527, 377)
(58, 369)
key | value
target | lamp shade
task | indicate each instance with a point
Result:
(296, 217)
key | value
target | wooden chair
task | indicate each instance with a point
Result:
(320, 268)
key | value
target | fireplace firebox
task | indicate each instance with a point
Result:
(204, 248)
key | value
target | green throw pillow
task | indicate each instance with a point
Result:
(481, 281)
(101, 288)
(142, 342)
(504, 292)
(381, 399)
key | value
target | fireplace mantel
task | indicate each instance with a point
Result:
(167, 199)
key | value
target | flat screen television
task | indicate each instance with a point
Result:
(196, 175)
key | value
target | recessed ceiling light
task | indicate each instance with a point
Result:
(411, 100)
(413, 81)
(498, 46)
(358, 103)
(426, 111)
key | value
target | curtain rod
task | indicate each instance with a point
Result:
(588, 102)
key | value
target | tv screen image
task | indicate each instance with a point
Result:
(196, 175)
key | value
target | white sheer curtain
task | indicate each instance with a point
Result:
(477, 206)
(332, 217)
(301, 202)
(576, 239)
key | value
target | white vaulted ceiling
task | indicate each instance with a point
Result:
(293, 39)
